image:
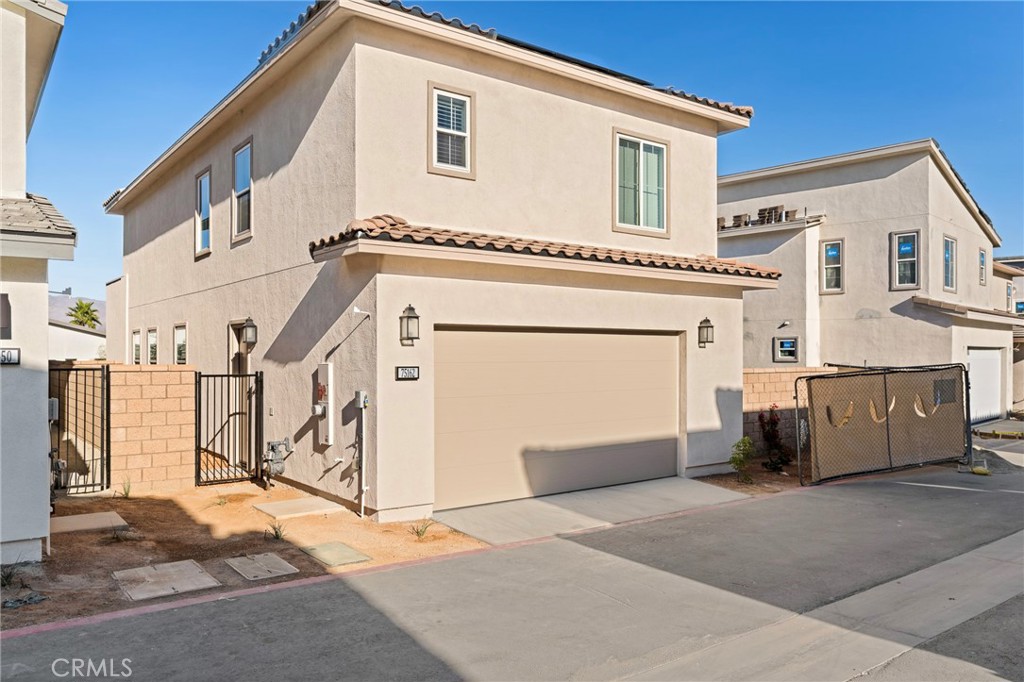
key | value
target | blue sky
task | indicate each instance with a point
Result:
(824, 78)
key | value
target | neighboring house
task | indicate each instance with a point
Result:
(1011, 270)
(32, 232)
(71, 341)
(557, 213)
(887, 260)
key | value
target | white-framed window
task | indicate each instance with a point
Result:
(451, 132)
(640, 183)
(241, 191)
(1009, 297)
(982, 267)
(5, 317)
(180, 340)
(949, 263)
(833, 257)
(151, 346)
(203, 212)
(905, 260)
(136, 347)
(785, 349)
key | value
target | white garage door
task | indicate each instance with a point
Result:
(520, 414)
(986, 374)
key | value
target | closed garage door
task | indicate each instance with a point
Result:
(986, 374)
(520, 414)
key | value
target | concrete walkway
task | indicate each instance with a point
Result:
(540, 517)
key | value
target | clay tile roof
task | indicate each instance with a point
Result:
(34, 214)
(392, 228)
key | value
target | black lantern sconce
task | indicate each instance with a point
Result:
(409, 326)
(705, 333)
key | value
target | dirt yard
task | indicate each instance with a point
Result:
(208, 525)
(764, 482)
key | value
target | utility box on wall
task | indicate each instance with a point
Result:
(324, 407)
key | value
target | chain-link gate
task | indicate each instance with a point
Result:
(881, 419)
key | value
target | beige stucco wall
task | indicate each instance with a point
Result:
(67, 344)
(117, 339)
(13, 123)
(24, 440)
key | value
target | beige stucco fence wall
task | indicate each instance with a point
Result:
(152, 426)
(763, 388)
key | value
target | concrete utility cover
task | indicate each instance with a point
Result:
(107, 520)
(540, 517)
(260, 566)
(304, 506)
(161, 580)
(335, 554)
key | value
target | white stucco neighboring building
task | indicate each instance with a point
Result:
(550, 222)
(32, 232)
(888, 261)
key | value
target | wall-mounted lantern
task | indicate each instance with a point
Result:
(249, 333)
(705, 333)
(408, 326)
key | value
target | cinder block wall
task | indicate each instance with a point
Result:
(775, 385)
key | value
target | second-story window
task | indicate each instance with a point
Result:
(136, 347)
(180, 344)
(640, 183)
(151, 345)
(1009, 297)
(242, 190)
(949, 263)
(905, 260)
(982, 263)
(203, 212)
(832, 260)
(451, 139)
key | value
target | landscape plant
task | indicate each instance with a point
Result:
(84, 314)
(742, 453)
(777, 454)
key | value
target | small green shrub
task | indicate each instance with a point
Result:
(778, 454)
(8, 573)
(420, 529)
(126, 488)
(275, 531)
(742, 453)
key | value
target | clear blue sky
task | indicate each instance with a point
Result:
(824, 78)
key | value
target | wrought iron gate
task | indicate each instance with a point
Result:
(881, 419)
(229, 427)
(80, 434)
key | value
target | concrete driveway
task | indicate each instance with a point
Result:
(822, 584)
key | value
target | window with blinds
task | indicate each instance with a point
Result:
(451, 131)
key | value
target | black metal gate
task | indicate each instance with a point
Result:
(80, 428)
(881, 419)
(229, 427)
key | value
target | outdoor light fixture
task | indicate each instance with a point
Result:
(409, 326)
(249, 334)
(705, 333)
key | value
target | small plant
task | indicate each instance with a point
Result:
(125, 534)
(275, 531)
(221, 500)
(742, 453)
(778, 454)
(420, 529)
(8, 573)
(126, 488)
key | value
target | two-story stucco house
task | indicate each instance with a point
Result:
(888, 262)
(32, 232)
(555, 243)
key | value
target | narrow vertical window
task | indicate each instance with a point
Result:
(1009, 297)
(203, 213)
(242, 190)
(982, 270)
(180, 345)
(949, 263)
(905, 260)
(832, 259)
(136, 347)
(451, 131)
(151, 346)
(640, 183)
(5, 317)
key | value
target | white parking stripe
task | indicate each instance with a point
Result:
(956, 487)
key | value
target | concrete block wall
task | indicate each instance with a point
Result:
(763, 388)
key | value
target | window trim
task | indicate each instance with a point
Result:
(953, 263)
(776, 342)
(894, 260)
(174, 349)
(138, 360)
(237, 236)
(433, 88)
(665, 232)
(155, 345)
(983, 267)
(1009, 296)
(822, 291)
(197, 228)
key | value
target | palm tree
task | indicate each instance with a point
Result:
(83, 314)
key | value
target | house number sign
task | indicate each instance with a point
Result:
(407, 373)
(10, 356)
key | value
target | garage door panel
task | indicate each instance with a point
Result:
(519, 414)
